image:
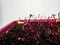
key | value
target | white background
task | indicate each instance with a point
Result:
(13, 9)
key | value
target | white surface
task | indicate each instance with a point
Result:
(13, 9)
(1, 15)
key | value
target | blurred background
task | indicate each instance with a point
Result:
(11, 10)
